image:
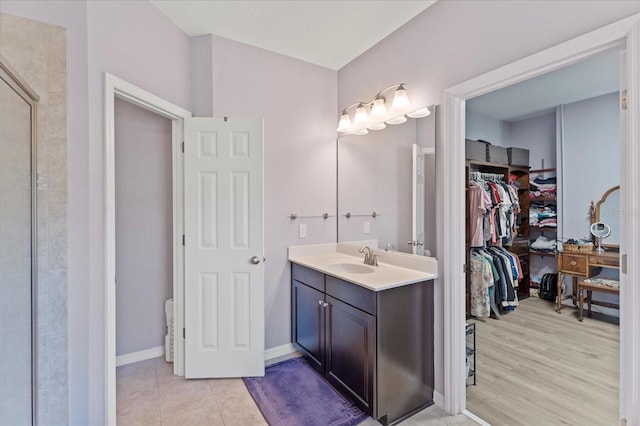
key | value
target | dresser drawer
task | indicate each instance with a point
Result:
(604, 261)
(572, 263)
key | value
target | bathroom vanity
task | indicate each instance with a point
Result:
(367, 329)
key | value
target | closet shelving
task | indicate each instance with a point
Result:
(548, 231)
(519, 176)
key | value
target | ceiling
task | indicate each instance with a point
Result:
(330, 33)
(592, 77)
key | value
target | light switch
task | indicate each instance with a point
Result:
(302, 231)
(367, 227)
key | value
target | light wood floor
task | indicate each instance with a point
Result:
(537, 367)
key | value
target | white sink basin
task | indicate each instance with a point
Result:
(352, 268)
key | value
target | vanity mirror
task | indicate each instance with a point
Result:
(607, 210)
(383, 192)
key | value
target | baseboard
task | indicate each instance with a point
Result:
(139, 356)
(279, 353)
(475, 418)
(438, 399)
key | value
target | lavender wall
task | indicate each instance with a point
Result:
(72, 16)
(591, 152)
(453, 41)
(298, 103)
(133, 41)
(144, 227)
(479, 126)
(538, 135)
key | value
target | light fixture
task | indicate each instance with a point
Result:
(361, 115)
(376, 114)
(345, 122)
(400, 100)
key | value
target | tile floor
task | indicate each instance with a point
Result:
(148, 394)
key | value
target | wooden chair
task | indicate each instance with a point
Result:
(590, 285)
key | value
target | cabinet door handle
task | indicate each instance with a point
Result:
(320, 302)
(325, 304)
(573, 263)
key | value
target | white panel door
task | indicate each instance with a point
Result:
(224, 273)
(417, 228)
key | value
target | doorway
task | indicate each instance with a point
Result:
(117, 88)
(623, 33)
(143, 215)
(568, 121)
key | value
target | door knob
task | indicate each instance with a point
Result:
(255, 260)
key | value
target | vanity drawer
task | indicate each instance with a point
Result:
(575, 264)
(604, 261)
(308, 276)
(352, 294)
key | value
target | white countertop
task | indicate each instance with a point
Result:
(394, 269)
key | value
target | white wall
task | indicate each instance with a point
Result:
(144, 221)
(453, 41)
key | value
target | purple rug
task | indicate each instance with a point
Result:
(291, 393)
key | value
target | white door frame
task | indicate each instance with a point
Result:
(621, 33)
(116, 87)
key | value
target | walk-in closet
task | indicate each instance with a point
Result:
(537, 155)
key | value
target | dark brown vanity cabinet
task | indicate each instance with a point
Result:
(374, 347)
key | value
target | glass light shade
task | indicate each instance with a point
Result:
(378, 110)
(361, 132)
(361, 115)
(419, 113)
(345, 123)
(378, 126)
(397, 120)
(400, 100)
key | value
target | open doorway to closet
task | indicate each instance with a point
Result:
(144, 227)
(564, 127)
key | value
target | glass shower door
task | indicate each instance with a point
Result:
(17, 250)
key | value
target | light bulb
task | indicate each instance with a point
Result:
(345, 123)
(400, 100)
(361, 115)
(419, 113)
(378, 126)
(378, 110)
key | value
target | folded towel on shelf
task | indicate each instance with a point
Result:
(543, 243)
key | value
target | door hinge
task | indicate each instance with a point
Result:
(623, 100)
(183, 239)
(184, 333)
(182, 147)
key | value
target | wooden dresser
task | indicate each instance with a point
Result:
(582, 265)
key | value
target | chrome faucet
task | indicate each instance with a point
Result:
(390, 246)
(370, 258)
